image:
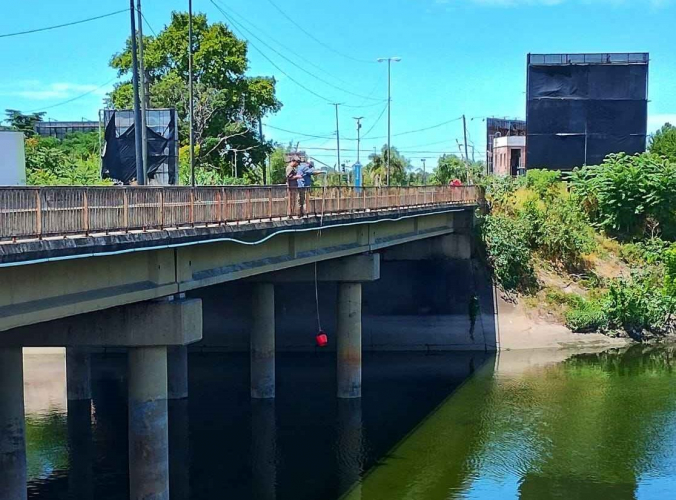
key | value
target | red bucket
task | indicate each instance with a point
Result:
(322, 339)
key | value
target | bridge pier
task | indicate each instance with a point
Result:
(348, 339)
(12, 426)
(146, 329)
(78, 374)
(148, 423)
(263, 342)
(177, 372)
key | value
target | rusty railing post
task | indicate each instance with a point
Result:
(38, 212)
(125, 209)
(249, 207)
(85, 211)
(192, 206)
(161, 208)
(270, 201)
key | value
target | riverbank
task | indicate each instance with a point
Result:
(520, 329)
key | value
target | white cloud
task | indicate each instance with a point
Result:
(35, 90)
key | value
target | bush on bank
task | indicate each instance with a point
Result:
(539, 220)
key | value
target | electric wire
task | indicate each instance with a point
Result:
(64, 25)
(148, 24)
(280, 44)
(295, 23)
(270, 60)
(374, 123)
(280, 54)
(43, 108)
(299, 133)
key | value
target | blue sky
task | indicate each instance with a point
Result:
(458, 57)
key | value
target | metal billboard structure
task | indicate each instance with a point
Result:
(119, 155)
(582, 107)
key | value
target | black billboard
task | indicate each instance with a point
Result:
(119, 153)
(582, 107)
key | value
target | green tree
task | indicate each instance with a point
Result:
(23, 122)
(377, 168)
(451, 167)
(663, 142)
(228, 103)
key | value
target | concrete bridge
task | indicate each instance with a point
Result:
(86, 268)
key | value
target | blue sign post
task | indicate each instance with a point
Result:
(356, 173)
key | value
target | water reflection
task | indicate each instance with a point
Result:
(305, 445)
(531, 425)
(592, 426)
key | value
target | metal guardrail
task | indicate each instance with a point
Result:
(36, 212)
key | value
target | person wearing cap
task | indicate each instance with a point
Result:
(292, 183)
(305, 172)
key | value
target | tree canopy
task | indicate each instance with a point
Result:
(377, 167)
(23, 122)
(228, 103)
(663, 142)
(451, 167)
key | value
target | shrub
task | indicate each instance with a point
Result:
(559, 230)
(506, 245)
(586, 316)
(670, 272)
(545, 183)
(638, 303)
(629, 194)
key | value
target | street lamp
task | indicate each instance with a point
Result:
(389, 106)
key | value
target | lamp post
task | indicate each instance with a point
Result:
(423, 160)
(389, 106)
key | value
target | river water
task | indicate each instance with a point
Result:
(527, 424)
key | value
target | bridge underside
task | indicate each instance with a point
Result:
(100, 272)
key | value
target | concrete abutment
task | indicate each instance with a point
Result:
(12, 426)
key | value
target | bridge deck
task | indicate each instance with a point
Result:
(37, 213)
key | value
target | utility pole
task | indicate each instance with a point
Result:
(338, 144)
(423, 160)
(262, 139)
(191, 97)
(142, 91)
(389, 109)
(464, 130)
(140, 179)
(359, 119)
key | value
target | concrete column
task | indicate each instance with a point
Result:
(349, 447)
(263, 449)
(148, 424)
(263, 342)
(80, 449)
(177, 372)
(349, 340)
(12, 426)
(179, 449)
(78, 374)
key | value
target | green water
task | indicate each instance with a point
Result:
(541, 425)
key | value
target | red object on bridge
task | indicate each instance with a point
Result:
(322, 339)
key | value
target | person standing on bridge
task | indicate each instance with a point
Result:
(292, 183)
(305, 171)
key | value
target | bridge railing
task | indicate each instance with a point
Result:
(34, 212)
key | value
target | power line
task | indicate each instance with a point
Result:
(294, 62)
(299, 56)
(375, 122)
(148, 24)
(300, 133)
(293, 21)
(270, 60)
(72, 23)
(73, 98)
